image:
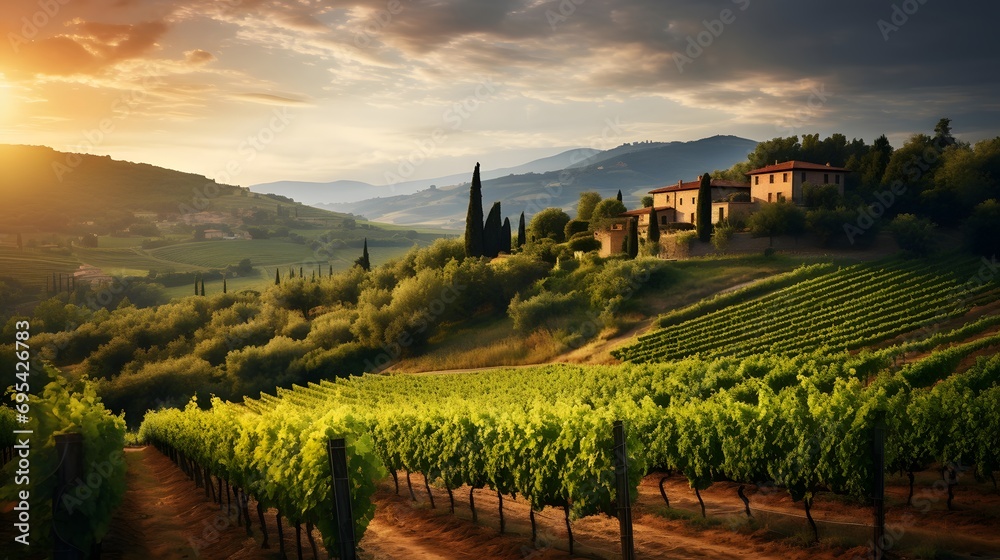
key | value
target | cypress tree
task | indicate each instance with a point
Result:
(520, 232)
(491, 232)
(277, 278)
(202, 286)
(291, 272)
(632, 239)
(331, 270)
(363, 261)
(653, 234)
(505, 236)
(619, 195)
(223, 284)
(474, 218)
(300, 273)
(704, 208)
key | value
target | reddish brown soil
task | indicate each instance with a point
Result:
(165, 516)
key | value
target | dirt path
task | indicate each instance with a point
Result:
(163, 515)
(656, 537)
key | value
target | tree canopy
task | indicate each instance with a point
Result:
(549, 223)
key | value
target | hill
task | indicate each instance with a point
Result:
(338, 192)
(821, 308)
(632, 168)
(93, 218)
(47, 190)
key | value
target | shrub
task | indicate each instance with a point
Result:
(777, 218)
(541, 310)
(721, 236)
(821, 196)
(680, 226)
(607, 210)
(574, 227)
(548, 224)
(585, 244)
(619, 280)
(686, 239)
(913, 235)
(828, 225)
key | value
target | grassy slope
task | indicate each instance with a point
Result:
(492, 342)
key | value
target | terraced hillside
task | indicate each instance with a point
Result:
(840, 309)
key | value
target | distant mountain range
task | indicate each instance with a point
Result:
(633, 168)
(338, 192)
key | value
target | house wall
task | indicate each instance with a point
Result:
(685, 204)
(819, 178)
(611, 240)
(773, 187)
(731, 210)
(788, 184)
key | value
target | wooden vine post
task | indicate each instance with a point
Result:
(342, 499)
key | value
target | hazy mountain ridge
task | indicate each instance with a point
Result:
(346, 191)
(634, 168)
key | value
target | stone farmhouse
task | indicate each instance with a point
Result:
(677, 204)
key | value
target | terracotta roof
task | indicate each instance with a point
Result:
(795, 164)
(695, 185)
(641, 211)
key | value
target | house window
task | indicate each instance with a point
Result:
(756, 179)
(722, 214)
(803, 176)
(682, 202)
(663, 220)
(784, 177)
(769, 195)
(826, 178)
(781, 197)
(692, 217)
(836, 179)
(772, 178)
(692, 200)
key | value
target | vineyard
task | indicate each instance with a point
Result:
(842, 309)
(801, 423)
(72, 492)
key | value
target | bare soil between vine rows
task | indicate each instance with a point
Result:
(165, 516)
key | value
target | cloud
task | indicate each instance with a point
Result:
(269, 99)
(84, 48)
(198, 56)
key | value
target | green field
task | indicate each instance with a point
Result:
(127, 262)
(124, 256)
(208, 254)
(33, 266)
(341, 260)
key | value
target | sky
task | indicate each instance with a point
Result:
(250, 91)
